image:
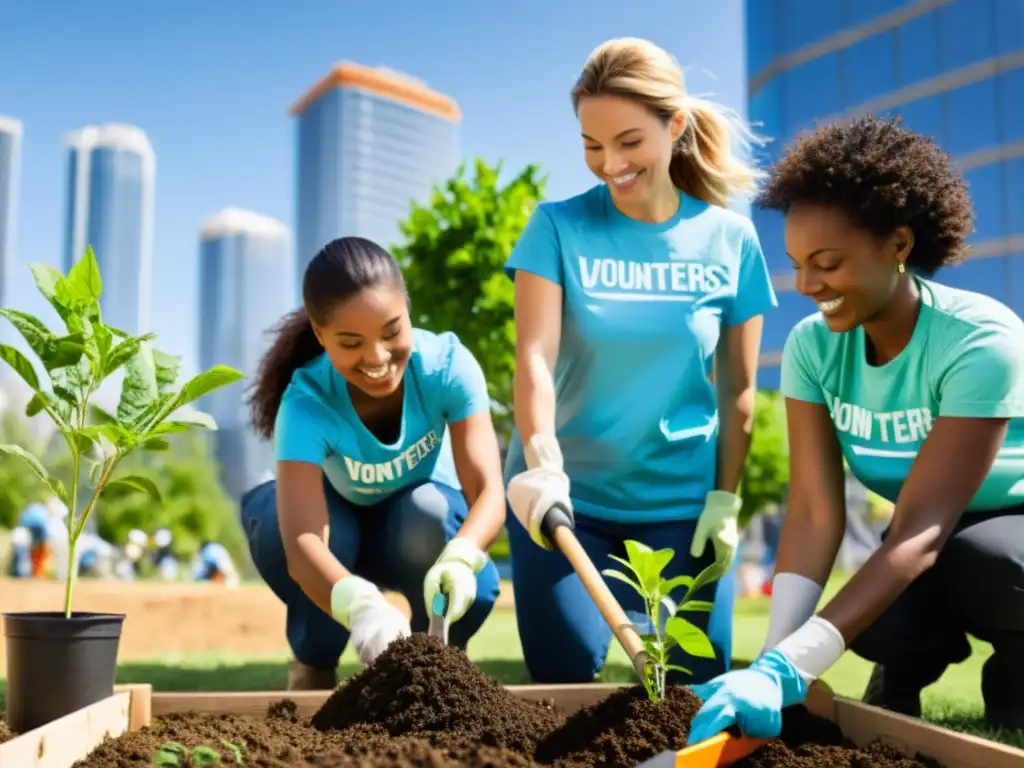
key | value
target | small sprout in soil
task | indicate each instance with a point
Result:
(76, 364)
(171, 755)
(647, 565)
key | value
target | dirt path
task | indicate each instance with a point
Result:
(173, 618)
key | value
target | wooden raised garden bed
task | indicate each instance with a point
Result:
(592, 725)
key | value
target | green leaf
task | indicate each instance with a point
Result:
(50, 281)
(689, 637)
(675, 583)
(677, 668)
(613, 574)
(167, 369)
(63, 352)
(137, 483)
(123, 352)
(100, 415)
(31, 328)
(185, 421)
(139, 389)
(156, 444)
(84, 279)
(21, 364)
(697, 606)
(37, 467)
(216, 377)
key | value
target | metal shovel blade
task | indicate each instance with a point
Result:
(439, 617)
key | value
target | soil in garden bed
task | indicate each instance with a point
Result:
(424, 705)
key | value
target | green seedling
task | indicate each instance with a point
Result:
(174, 755)
(646, 566)
(76, 364)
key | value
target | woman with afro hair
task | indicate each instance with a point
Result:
(920, 388)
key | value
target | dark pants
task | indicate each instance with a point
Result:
(564, 637)
(976, 587)
(392, 544)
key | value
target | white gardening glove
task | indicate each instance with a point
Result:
(454, 573)
(533, 492)
(719, 522)
(794, 599)
(373, 622)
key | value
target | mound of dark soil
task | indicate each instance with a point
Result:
(624, 729)
(421, 687)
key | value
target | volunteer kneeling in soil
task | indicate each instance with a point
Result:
(376, 426)
(624, 296)
(920, 387)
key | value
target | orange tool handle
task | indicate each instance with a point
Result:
(721, 750)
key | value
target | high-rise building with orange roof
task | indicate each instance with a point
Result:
(369, 141)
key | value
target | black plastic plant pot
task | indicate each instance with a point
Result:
(57, 665)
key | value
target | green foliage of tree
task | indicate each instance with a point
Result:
(766, 472)
(193, 504)
(453, 257)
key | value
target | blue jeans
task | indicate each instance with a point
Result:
(564, 637)
(392, 544)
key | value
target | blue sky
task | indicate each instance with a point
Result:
(211, 82)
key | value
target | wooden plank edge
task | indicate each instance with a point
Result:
(64, 741)
(140, 713)
(863, 724)
(569, 697)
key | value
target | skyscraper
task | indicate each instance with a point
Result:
(953, 69)
(111, 176)
(245, 287)
(10, 173)
(369, 141)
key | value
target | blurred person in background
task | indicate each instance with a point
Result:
(388, 468)
(920, 387)
(212, 562)
(629, 298)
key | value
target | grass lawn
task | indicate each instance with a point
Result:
(955, 701)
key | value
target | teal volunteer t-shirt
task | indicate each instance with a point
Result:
(965, 358)
(644, 308)
(317, 422)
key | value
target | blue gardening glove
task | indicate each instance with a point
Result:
(719, 522)
(753, 698)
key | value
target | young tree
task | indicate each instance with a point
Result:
(453, 257)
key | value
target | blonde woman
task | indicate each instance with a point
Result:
(625, 294)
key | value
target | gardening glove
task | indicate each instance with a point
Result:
(753, 698)
(719, 522)
(454, 573)
(533, 492)
(373, 622)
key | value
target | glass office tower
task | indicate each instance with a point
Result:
(111, 173)
(369, 141)
(245, 287)
(10, 181)
(954, 69)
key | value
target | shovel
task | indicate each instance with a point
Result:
(557, 527)
(439, 617)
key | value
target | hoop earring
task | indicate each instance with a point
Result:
(900, 267)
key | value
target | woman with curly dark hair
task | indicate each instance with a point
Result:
(388, 468)
(920, 388)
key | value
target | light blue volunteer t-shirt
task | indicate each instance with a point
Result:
(317, 422)
(965, 358)
(644, 308)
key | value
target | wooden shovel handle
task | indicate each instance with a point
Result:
(558, 527)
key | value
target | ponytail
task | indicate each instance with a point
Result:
(705, 164)
(295, 345)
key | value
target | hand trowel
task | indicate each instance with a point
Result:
(439, 617)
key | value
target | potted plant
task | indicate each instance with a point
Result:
(61, 661)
